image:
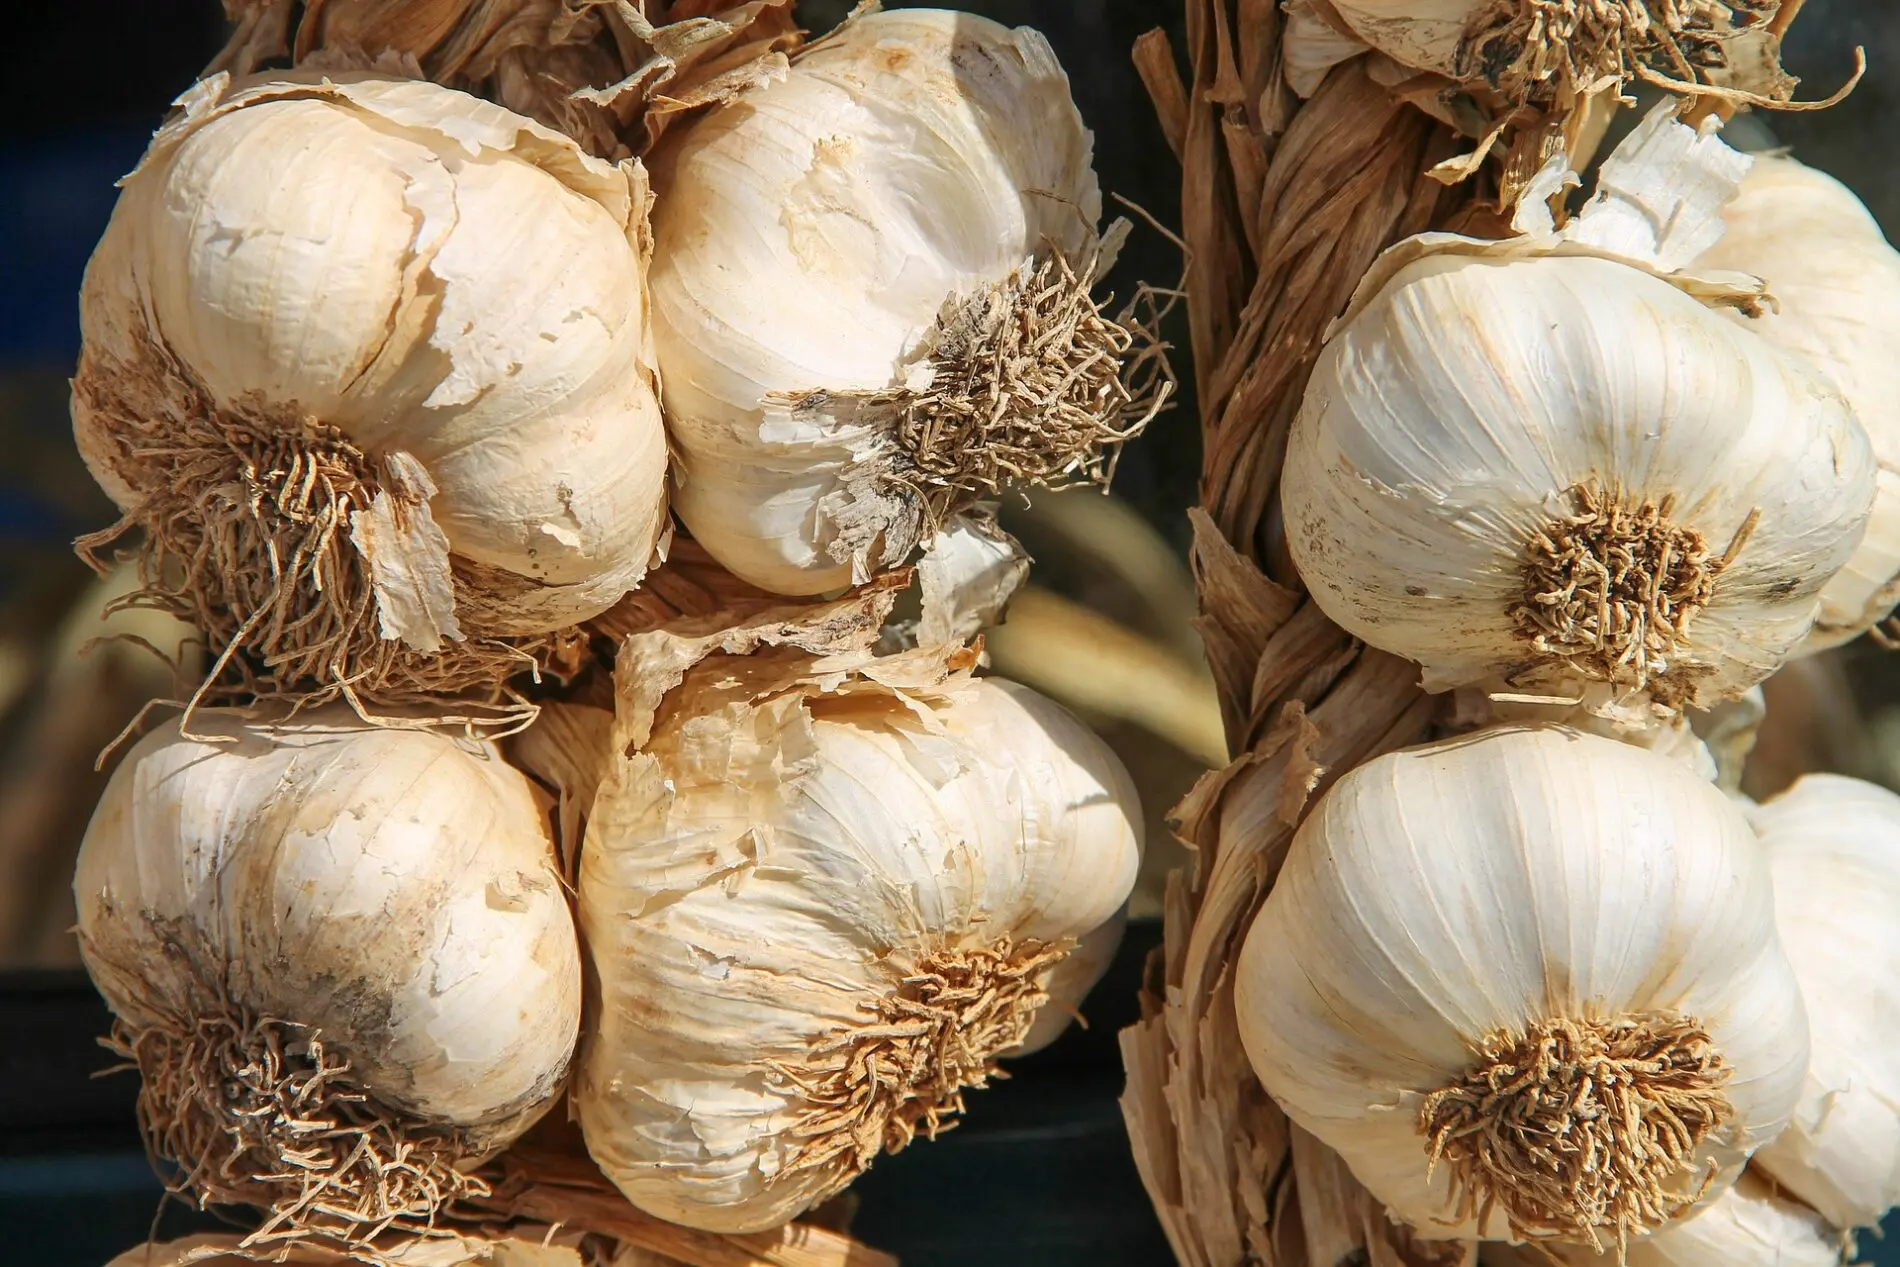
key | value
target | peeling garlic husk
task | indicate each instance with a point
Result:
(1488, 430)
(1746, 1225)
(367, 361)
(821, 899)
(1834, 846)
(288, 917)
(843, 260)
(1448, 912)
(1836, 286)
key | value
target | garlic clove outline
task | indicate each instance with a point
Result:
(328, 945)
(299, 346)
(1833, 845)
(822, 899)
(871, 298)
(1490, 437)
(1526, 908)
(1835, 282)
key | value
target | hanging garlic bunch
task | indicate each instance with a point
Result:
(821, 900)
(1551, 470)
(339, 956)
(1553, 51)
(871, 298)
(1526, 983)
(1836, 286)
(1834, 847)
(366, 363)
(1747, 1225)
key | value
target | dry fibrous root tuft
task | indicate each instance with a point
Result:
(244, 533)
(1582, 1131)
(1534, 52)
(263, 1113)
(1613, 588)
(1032, 383)
(901, 1073)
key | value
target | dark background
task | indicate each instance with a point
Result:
(1040, 1174)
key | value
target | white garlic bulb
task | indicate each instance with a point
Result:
(1836, 286)
(818, 908)
(1560, 469)
(339, 955)
(1529, 976)
(1834, 846)
(367, 361)
(1746, 1225)
(871, 297)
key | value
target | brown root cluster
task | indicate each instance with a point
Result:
(1539, 52)
(243, 532)
(1032, 383)
(875, 1087)
(1613, 588)
(263, 1113)
(1583, 1131)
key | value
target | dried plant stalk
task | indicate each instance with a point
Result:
(1285, 206)
(1283, 212)
(612, 74)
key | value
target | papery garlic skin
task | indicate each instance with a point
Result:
(1484, 885)
(1834, 846)
(390, 892)
(1746, 1225)
(1458, 421)
(436, 304)
(778, 875)
(1836, 285)
(808, 238)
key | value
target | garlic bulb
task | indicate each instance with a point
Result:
(1836, 285)
(1532, 51)
(366, 361)
(1834, 846)
(1747, 1225)
(1528, 977)
(339, 955)
(820, 901)
(871, 298)
(521, 1246)
(1559, 469)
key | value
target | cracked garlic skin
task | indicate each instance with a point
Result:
(808, 238)
(286, 917)
(393, 337)
(1836, 288)
(1471, 939)
(1552, 471)
(818, 911)
(1833, 844)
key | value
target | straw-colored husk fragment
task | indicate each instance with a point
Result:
(612, 75)
(1582, 1130)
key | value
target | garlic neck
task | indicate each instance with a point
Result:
(1613, 587)
(1582, 1130)
(875, 1087)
